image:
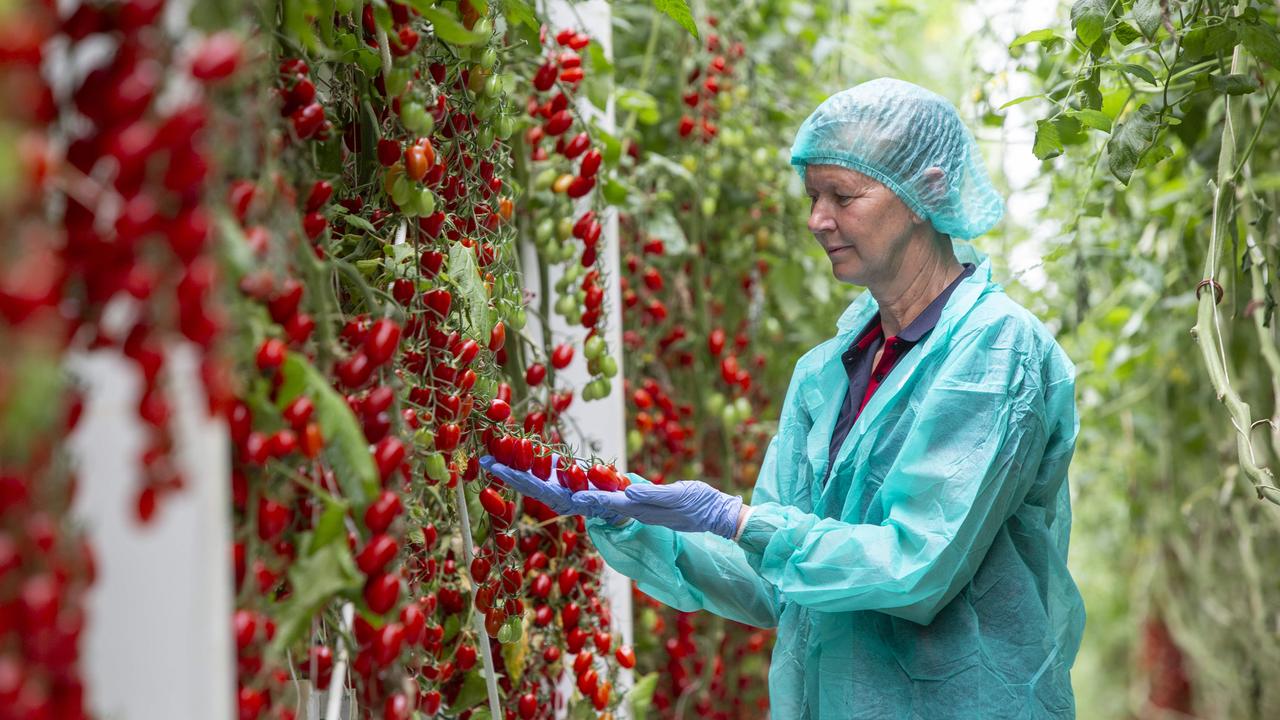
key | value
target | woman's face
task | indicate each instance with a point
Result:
(864, 227)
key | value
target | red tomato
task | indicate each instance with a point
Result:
(381, 592)
(380, 550)
(382, 512)
(270, 354)
(381, 342)
(604, 478)
(536, 373)
(561, 356)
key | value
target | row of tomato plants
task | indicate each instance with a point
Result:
(328, 215)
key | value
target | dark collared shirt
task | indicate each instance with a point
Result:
(858, 359)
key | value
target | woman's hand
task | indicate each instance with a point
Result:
(686, 506)
(550, 492)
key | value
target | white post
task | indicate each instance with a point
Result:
(600, 424)
(157, 644)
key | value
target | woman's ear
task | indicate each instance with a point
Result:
(933, 185)
(935, 182)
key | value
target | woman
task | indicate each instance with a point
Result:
(907, 534)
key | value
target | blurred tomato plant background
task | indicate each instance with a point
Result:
(328, 199)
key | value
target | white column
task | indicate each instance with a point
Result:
(600, 424)
(157, 644)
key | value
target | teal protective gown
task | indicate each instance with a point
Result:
(928, 578)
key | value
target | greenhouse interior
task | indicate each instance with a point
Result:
(515, 359)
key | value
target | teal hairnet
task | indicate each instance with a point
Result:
(894, 132)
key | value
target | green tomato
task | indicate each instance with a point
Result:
(397, 80)
(690, 163)
(484, 138)
(715, 403)
(635, 441)
(544, 180)
(437, 468)
(426, 201)
(517, 320)
(546, 226)
(594, 347)
(565, 305)
(402, 191)
(483, 27)
(593, 366)
(488, 58)
(729, 417)
(492, 86)
(742, 407)
(574, 272)
(608, 366)
(505, 126)
(708, 206)
(564, 229)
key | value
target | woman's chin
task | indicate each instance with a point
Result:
(847, 272)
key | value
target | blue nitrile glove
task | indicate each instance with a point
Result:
(549, 492)
(685, 506)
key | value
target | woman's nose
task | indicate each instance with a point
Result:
(820, 220)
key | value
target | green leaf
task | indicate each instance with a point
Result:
(1234, 84)
(1203, 40)
(1088, 19)
(678, 10)
(1092, 118)
(1047, 143)
(640, 697)
(1040, 36)
(1139, 72)
(644, 105)
(615, 193)
(581, 709)
(470, 289)
(449, 29)
(1125, 34)
(600, 64)
(357, 222)
(520, 12)
(1020, 100)
(612, 147)
(452, 625)
(473, 691)
(235, 252)
(329, 527)
(345, 448)
(1132, 137)
(1148, 15)
(1262, 43)
(315, 580)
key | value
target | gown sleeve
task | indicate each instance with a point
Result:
(966, 466)
(703, 571)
